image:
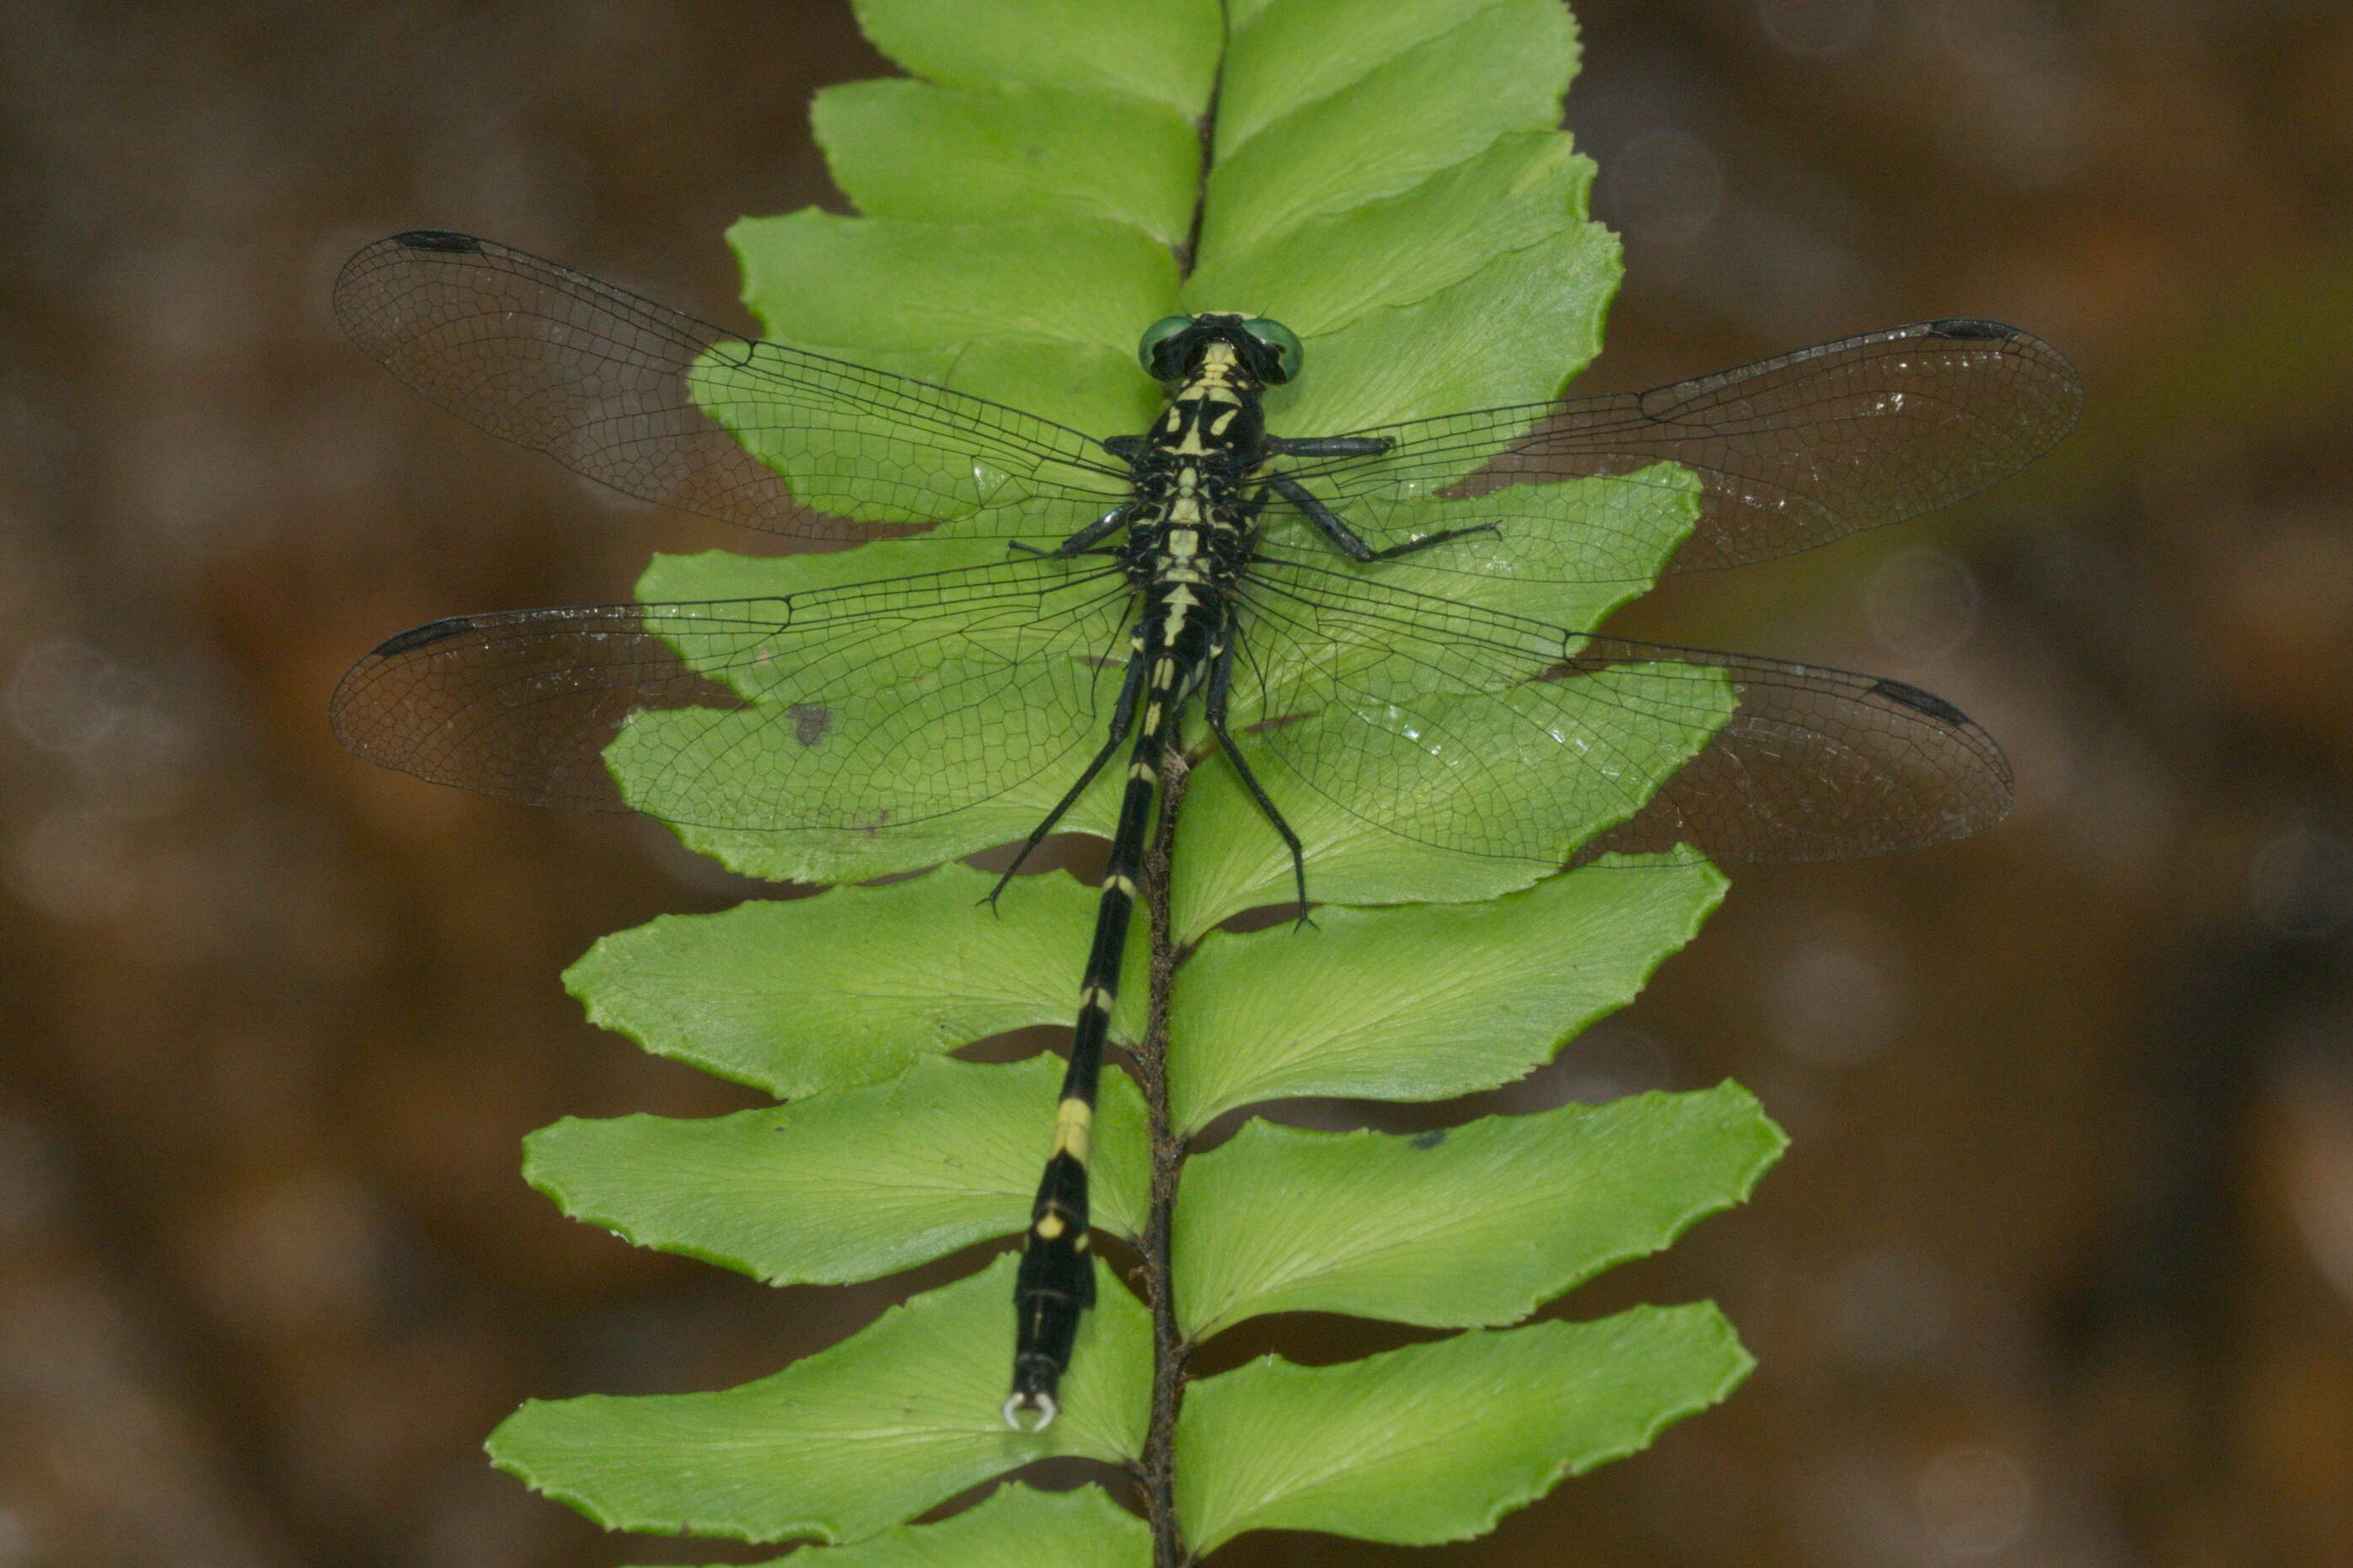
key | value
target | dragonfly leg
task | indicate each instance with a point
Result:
(1123, 718)
(1349, 543)
(1087, 538)
(1213, 711)
(1328, 446)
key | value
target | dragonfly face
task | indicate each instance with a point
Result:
(1174, 347)
(944, 691)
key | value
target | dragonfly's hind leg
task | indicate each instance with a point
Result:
(1350, 544)
(1213, 710)
(1123, 719)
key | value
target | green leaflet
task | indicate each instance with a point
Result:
(759, 993)
(1472, 1225)
(1371, 841)
(1402, 249)
(841, 1187)
(1437, 1442)
(845, 1443)
(1390, 180)
(1424, 1003)
(1287, 58)
(1158, 51)
(1011, 152)
(1409, 92)
(1459, 348)
(1013, 1527)
(1049, 304)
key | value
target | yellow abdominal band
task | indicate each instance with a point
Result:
(1071, 1124)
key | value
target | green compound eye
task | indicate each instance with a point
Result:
(1288, 353)
(1159, 332)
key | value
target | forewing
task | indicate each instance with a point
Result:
(859, 706)
(1497, 735)
(660, 406)
(1790, 452)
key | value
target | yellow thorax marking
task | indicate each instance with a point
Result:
(1214, 383)
(1185, 505)
(1181, 602)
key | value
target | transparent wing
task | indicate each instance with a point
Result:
(1497, 735)
(1790, 453)
(653, 402)
(861, 706)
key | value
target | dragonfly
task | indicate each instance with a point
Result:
(1354, 603)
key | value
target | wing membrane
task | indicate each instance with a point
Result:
(1462, 725)
(858, 706)
(1498, 735)
(606, 382)
(1790, 452)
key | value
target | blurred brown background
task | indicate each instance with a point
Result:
(2060, 1272)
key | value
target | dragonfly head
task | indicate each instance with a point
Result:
(1175, 348)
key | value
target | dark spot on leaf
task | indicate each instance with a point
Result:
(810, 721)
(1429, 1140)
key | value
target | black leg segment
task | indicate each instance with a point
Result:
(1327, 446)
(1123, 718)
(1095, 532)
(1213, 712)
(1328, 523)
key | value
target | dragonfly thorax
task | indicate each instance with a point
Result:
(1193, 474)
